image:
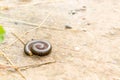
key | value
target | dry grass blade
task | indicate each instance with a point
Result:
(18, 21)
(39, 25)
(12, 20)
(43, 2)
(7, 58)
(36, 65)
(18, 38)
(16, 68)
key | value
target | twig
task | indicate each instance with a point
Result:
(26, 67)
(6, 47)
(31, 30)
(27, 24)
(20, 21)
(18, 38)
(46, 27)
(16, 68)
(36, 65)
(39, 25)
(36, 3)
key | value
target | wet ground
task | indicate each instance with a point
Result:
(85, 36)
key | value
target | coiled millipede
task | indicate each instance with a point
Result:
(37, 47)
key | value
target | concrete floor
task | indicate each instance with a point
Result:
(88, 51)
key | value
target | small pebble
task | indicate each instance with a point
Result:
(73, 12)
(68, 27)
(83, 18)
(83, 6)
(88, 24)
(16, 23)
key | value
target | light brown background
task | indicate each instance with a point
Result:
(88, 51)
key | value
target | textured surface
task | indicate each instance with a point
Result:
(88, 51)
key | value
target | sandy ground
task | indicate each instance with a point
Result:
(88, 51)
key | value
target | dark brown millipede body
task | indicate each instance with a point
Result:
(37, 47)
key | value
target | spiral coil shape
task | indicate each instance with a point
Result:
(37, 47)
